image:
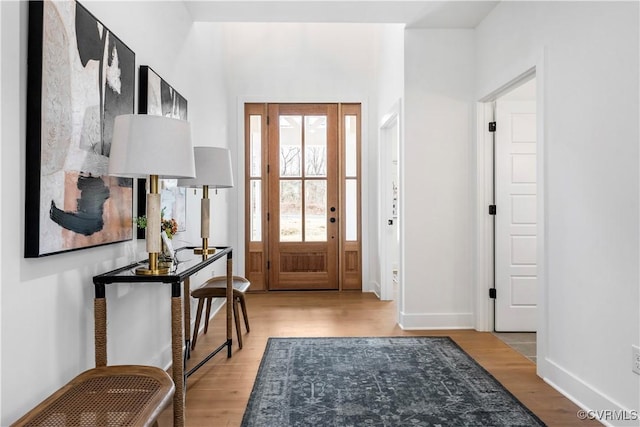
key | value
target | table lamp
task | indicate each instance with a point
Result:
(155, 147)
(213, 170)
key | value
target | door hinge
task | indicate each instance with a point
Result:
(268, 265)
(267, 120)
(268, 216)
(492, 126)
(492, 293)
(268, 168)
(492, 209)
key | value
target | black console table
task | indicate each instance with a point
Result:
(186, 265)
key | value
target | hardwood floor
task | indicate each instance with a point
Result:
(218, 392)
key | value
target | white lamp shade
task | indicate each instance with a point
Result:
(213, 168)
(144, 145)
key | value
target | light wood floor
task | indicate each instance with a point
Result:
(218, 392)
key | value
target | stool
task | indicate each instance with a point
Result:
(216, 287)
(108, 396)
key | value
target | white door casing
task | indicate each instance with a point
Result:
(516, 222)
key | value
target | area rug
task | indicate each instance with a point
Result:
(399, 381)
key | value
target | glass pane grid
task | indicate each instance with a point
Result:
(255, 145)
(290, 146)
(255, 216)
(315, 211)
(291, 210)
(315, 143)
(351, 145)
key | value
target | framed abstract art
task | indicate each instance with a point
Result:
(80, 77)
(157, 97)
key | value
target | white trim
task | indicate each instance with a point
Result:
(375, 288)
(430, 321)
(542, 252)
(484, 223)
(585, 395)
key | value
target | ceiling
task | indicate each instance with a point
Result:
(413, 13)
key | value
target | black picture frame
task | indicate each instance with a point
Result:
(80, 76)
(159, 98)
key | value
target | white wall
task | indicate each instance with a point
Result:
(389, 68)
(438, 192)
(304, 63)
(200, 64)
(591, 180)
(47, 304)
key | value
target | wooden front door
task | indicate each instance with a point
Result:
(303, 196)
(303, 209)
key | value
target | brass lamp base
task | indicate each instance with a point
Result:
(156, 268)
(208, 251)
(141, 271)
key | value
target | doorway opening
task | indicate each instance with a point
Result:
(303, 204)
(390, 252)
(511, 207)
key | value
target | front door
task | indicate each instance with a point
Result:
(303, 196)
(516, 229)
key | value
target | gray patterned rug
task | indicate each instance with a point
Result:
(399, 381)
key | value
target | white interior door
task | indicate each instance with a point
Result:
(515, 226)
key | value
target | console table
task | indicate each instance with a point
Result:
(186, 265)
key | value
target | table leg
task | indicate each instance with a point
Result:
(187, 317)
(229, 305)
(100, 330)
(178, 363)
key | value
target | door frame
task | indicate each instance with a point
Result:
(238, 220)
(484, 197)
(385, 291)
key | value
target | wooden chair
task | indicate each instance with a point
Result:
(216, 287)
(108, 396)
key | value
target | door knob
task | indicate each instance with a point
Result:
(390, 222)
(332, 220)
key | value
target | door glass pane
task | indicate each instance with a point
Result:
(351, 147)
(255, 135)
(290, 145)
(291, 211)
(256, 210)
(315, 145)
(351, 210)
(315, 210)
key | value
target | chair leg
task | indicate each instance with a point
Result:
(243, 304)
(206, 322)
(197, 325)
(236, 317)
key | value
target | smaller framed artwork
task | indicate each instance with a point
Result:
(158, 98)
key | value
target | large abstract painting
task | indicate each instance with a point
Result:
(80, 77)
(157, 97)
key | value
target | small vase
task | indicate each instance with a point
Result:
(165, 255)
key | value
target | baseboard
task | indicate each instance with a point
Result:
(436, 321)
(374, 287)
(592, 402)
